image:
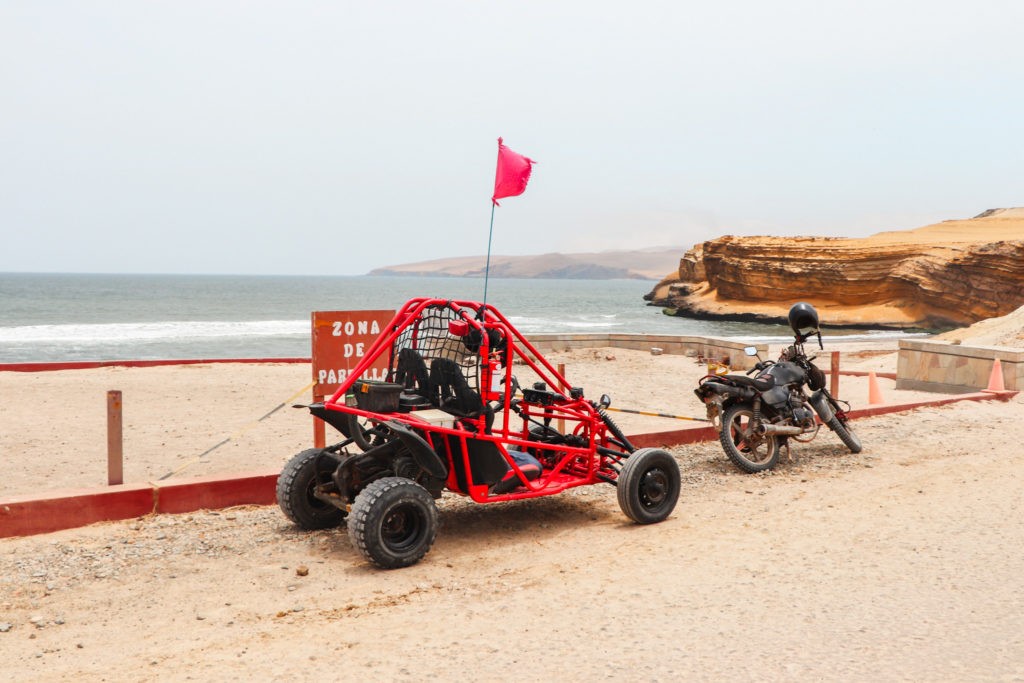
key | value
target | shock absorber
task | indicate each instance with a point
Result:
(614, 428)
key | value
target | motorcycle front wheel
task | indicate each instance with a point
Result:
(845, 434)
(749, 451)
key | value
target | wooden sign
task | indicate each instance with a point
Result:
(340, 340)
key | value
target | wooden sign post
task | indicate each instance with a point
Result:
(115, 440)
(340, 340)
(834, 375)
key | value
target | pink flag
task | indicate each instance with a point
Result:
(512, 174)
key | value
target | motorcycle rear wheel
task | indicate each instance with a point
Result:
(750, 452)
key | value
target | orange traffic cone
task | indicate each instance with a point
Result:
(874, 393)
(995, 380)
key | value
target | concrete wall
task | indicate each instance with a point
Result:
(704, 347)
(952, 368)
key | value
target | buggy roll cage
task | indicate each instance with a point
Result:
(485, 345)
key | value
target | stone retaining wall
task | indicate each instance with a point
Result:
(704, 347)
(953, 368)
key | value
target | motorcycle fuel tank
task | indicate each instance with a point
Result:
(785, 373)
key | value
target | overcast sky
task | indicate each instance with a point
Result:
(334, 137)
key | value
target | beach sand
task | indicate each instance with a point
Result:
(899, 563)
(53, 424)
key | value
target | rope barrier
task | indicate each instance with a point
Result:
(287, 401)
(238, 433)
(651, 414)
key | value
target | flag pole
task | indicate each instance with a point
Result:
(510, 178)
(487, 268)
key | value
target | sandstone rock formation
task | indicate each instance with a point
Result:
(939, 276)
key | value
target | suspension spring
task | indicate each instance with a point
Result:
(614, 429)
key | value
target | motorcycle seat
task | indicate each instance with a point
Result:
(760, 383)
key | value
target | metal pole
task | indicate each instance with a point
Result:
(319, 431)
(487, 268)
(560, 424)
(834, 375)
(115, 442)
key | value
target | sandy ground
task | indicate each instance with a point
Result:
(899, 563)
(53, 424)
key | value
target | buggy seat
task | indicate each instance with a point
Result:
(411, 373)
(452, 393)
(529, 465)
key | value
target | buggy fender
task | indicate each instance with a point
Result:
(420, 450)
(821, 405)
(339, 421)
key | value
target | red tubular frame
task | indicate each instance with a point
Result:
(577, 466)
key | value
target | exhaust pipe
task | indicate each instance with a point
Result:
(785, 430)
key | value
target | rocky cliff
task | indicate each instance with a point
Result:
(945, 275)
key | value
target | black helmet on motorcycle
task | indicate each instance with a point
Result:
(803, 319)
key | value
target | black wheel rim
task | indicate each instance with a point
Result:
(311, 499)
(654, 488)
(403, 527)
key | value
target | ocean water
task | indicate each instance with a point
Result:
(67, 317)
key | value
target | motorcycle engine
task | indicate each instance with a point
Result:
(799, 410)
(803, 416)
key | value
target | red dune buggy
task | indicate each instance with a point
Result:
(451, 415)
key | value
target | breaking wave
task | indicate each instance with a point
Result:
(129, 333)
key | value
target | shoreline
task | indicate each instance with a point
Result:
(866, 336)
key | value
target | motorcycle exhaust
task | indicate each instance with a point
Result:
(785, 430)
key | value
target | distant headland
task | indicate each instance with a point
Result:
(639, 264)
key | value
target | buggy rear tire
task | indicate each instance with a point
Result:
(648, 485)
(393, 522)
(295, 494)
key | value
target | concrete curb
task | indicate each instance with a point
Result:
(57, 510)
(872, 411)
(700, 433)
(66, 509)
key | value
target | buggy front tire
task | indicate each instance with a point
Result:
(393, 522)
(295, 496)
(648, 485)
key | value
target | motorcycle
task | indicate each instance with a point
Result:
(758, 416)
